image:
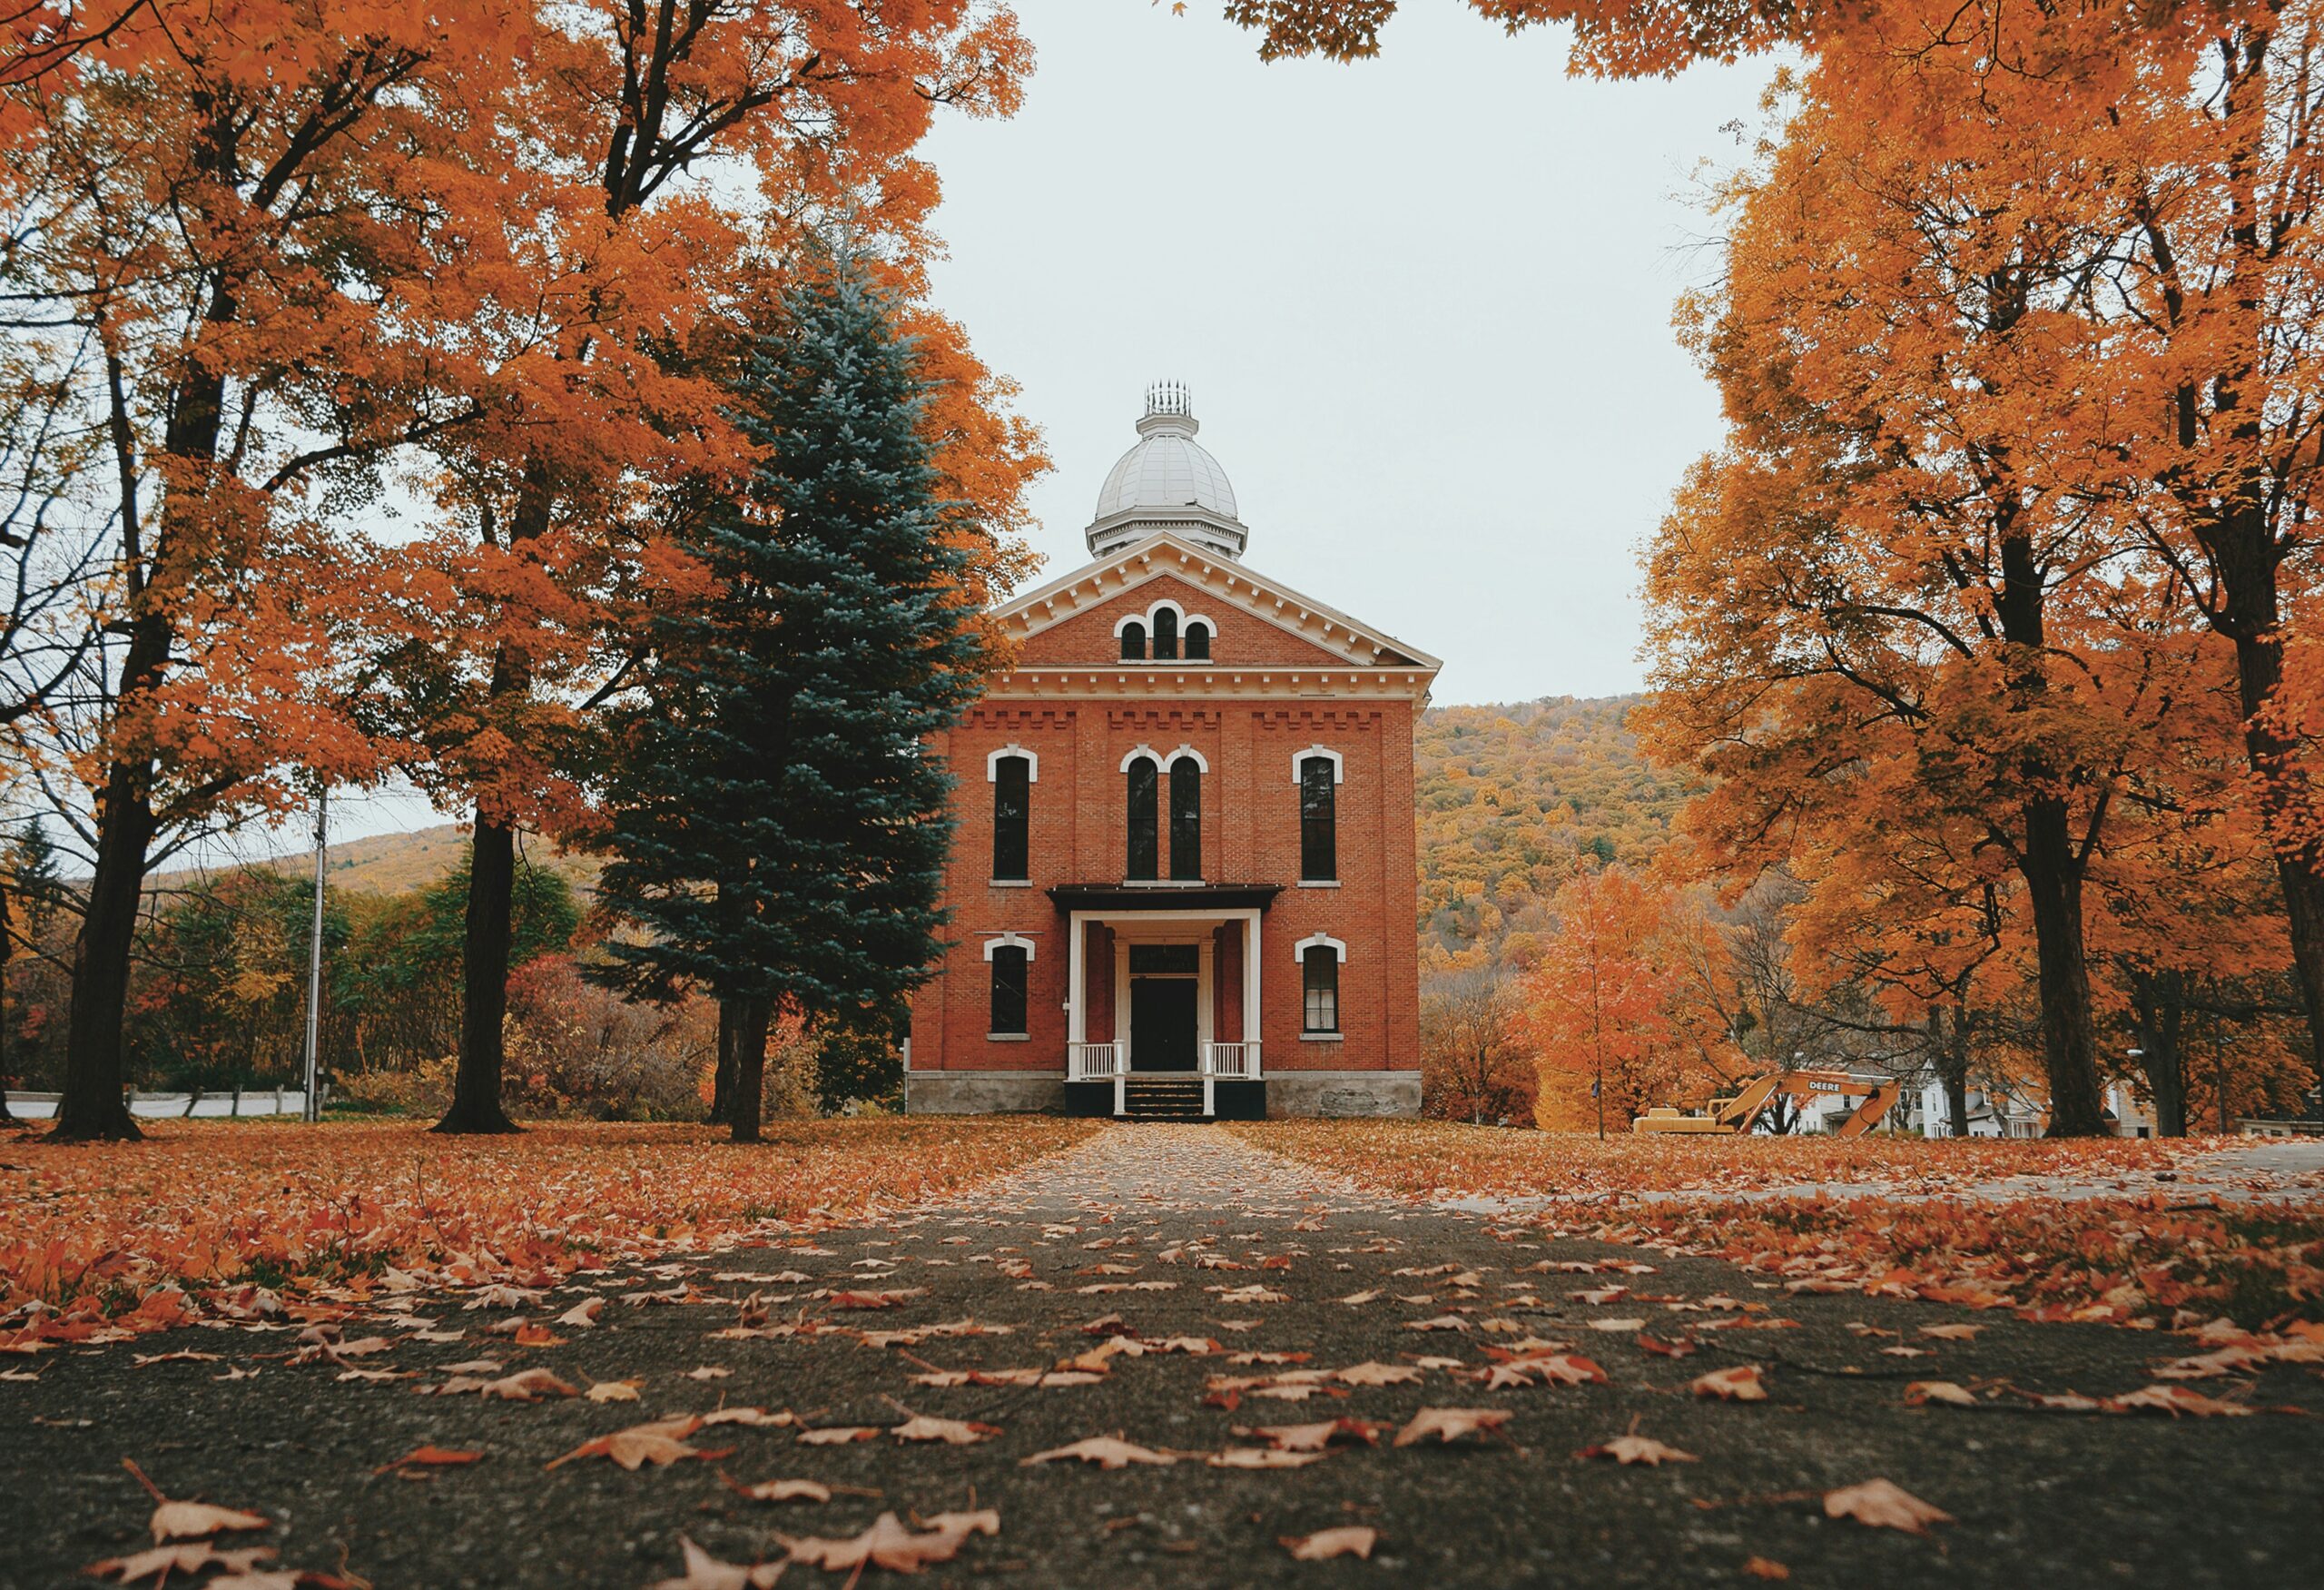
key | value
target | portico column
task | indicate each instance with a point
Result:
(1251, 977)
(1075, 982)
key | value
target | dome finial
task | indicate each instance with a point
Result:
(1170, 397)
(1166, 482)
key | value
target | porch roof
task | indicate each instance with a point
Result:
(1125, 898)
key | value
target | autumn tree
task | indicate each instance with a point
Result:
(776, 829)
(1476, 1062)
(587, 333)
(1596, 1005)
(216, 224)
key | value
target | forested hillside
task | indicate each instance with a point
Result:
(1511, 799)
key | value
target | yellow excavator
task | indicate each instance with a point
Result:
(1737, 1111)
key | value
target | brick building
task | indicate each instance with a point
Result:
(1183, 879)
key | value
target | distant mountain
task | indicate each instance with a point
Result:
(1510, 799)
(389, 864)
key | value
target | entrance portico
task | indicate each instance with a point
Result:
(1164, 982)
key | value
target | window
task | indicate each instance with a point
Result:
(1319, 861)
(1145, 816)
(1186, 821)
(1166, 634)
(1319, 968)
(1198, 642)
(1009, 990)
(1012, 809)
(1133, 642)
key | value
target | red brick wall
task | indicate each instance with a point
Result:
(1250, 834)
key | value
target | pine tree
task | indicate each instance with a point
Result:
(778, 830)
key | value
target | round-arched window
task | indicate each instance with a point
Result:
(1133, 642)
(1198, 642)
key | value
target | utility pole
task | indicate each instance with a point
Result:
(312, 1110)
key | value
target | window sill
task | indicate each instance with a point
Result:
(1319, 883)
(1162, 883)
(1322, 1038)
(1008, 883)
(1166, 662)
(1007, 1037)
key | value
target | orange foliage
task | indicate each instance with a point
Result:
(169, 1230)
(1596, 1005)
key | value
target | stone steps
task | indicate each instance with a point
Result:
(1162, 1098)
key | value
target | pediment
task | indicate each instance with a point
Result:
(1073, 621)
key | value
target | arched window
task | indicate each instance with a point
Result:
(1318, 820)
(1009, 964)
(1012, 811)
(1133, 642)
(1198, 642)
(1166, 634)
(1143, 811)
(1186, 821)
(1319, 979)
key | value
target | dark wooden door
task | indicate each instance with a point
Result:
(1162, 1024)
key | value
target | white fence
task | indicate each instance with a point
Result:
(292, 1101)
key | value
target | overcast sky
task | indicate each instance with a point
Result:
(1423, 304)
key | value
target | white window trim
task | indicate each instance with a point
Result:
(1014, 941)
(1145, 750)
(1318, 940)
(1339, 767)
(1127, 619)
(1190, 754)
(993, 763)
(1177, 611)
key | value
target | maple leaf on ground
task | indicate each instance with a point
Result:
(660, 1444)
(190, 1520)
(2175, 1400)
(189, 1557)
(1665, 1350)
(1263, 1458)
(886, 1300)
(1952, 1332)
(429, 1458)
(783, 1490)
(757, 1418)
(1450, 1423)
(1617, 1326)
(1378, 1374)
(583, 1314)
(952, 1432)
(614, 1391)
(1926, 1391)
(889, 1545)
(1637, 1449)
(1766, 1568)
(1884, 1506)
(837, 1435)
(1315, 1438)
(1740, 1384)
(1105, 1451)
(1440, 1322)
(705, 1572)
(1349, 1540)
(525, 1386)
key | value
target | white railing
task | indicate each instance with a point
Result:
(1095, 1062)
(1237, 1061)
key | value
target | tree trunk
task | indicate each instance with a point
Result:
(750, 1070)
(2259, 669)
(1951, 1059)
(2069, 1038)
(484, 966)
(2159, 1007)
(721, 1080)
(93, 1106)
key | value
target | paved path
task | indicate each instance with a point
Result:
(1181, 1233)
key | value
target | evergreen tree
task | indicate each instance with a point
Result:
(778, 831)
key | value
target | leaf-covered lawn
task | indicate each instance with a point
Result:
(2148, 1242)
(152, 1234)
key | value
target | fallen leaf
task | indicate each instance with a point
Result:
(1450, 1423)
(1926, 1391)
(1954, 1332)
(1623, 1326)
(1766, 1568)
(1638, 1449)
(636, 1447)
(1740, 1384)
(705, 1572)
(583, 1314)
(1105, 1451)
(191, 1557)
(526, 1385)
(837, 1435)
(2175, 1400)
(1884, 1506)
(1378, 1374)
(708, 1372)
(429, 1458)
(952, 1432)
(784, 1490)
(192, 1520)
(1263, 1458)
(1349, 1540)
(614, 1391)
(889, 1545)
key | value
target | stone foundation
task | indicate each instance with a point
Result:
(983, 1092)
(1343, 1092)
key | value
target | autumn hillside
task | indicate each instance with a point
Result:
(393, 864)
(1512, 797)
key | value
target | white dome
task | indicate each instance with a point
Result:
(1168, 481)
